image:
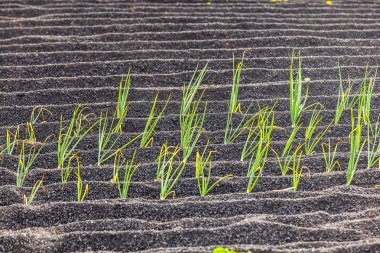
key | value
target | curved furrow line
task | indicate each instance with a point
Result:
(221, 25)
(282, 41)
(190, 20)
(274, 62)
(196, 35)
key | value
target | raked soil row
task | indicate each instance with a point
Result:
(57, 54)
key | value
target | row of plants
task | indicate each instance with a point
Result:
(256, 128)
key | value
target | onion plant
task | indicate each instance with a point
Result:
(25, 161)
(81, 194)
(257, 162)
(151, 123)
(297, 104)
(190, 91)
(289, 142)
(231, 132)
(285, 162)
(11, 140)
(109, 135)
(373, 144)
(356, 146)
(312, 139)
(365, 97)
(129, 170)
(31, 135)
(28, 200)
(262, 125)
(344, 101)
(123, 90)
(191, 122)
(201, 163)
(329, 156)
(296, 168)
(168, 173)
(233, 105)
(66, 171)
(39, 112)
(70, 136)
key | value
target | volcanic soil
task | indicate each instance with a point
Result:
(56, 54)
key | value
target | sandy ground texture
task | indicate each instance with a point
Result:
(59, 53)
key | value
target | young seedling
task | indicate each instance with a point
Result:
(122, 106)
(65, 172)
(286, 161)
(39, 112)
(329, 156)
(191, 129)
(356, 147)
(106, 136)
(168, 173)
(234, 106)
(297, 170)
(36, 186)
(365, 97)
(129, 170)
(80, 193)
(71, 135)
(260, 128)
(25, 162)
(151, 123)
(203, 181)
(231, 133)
(297, 104)
(343, 102)
(189, 92)
(257, 163)
(11, 140)
(117, 164)
(373, 144)
(31, 135)
(312, 139)
(289, 142)
(191, 123)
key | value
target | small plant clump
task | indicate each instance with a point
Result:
(28, 200)
(231, 133)
(109, 135)
(356, 146)
(201, 163)
(329, 156)
(25, 161)
(344, 99)
(297, 101)
(151, 123)
(373, 144)
(122, 97)
(129, 170)
(191, 122)
(11, 141)
(81, 193)
(312, 139)
(70, 136)
(168, 172)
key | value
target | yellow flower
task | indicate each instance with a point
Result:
(329, 2)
